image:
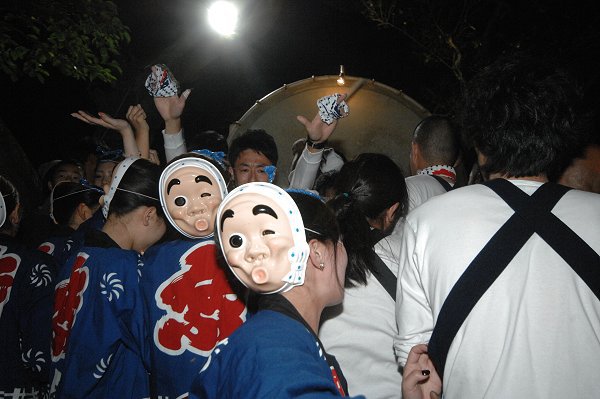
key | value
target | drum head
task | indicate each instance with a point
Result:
(381, 119)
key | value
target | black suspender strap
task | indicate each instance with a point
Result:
(443, 182)
(379, 269)
(384, 275)
(532, 215)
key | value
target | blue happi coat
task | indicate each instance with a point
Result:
(62, 241)
(26, 296)
(190, 307)
(273, 355)
(98, 346)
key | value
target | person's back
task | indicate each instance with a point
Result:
(421, 188)
(99, 337)
(190, 304)
(535, 331)
(531, 322)
(27, 279)
(371, 199)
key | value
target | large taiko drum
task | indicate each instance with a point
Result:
(381, 118)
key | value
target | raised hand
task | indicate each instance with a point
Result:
(130, 147)
(170, 109)
(317, 130)
(104, 120)
(137, 118)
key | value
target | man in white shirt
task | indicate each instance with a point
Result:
(507, 272)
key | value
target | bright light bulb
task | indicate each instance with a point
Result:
(223, 17)
(340, 80)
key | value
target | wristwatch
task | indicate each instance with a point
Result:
(314, 145)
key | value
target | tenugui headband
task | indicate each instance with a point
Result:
(118, 174)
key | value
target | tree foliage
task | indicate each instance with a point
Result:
(78, 38)
(463, 35)
(442, 32)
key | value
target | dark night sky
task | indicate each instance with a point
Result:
(280, 41)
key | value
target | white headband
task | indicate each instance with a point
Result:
(118, 173)
(173, 167)
(298, 254)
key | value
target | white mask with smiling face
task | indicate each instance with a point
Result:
(261, 234)
(191, 189)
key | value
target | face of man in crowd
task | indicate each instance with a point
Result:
(66, 172)
(192, 198)
(256, 237)
(249, 167)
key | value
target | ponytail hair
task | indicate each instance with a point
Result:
(365, 188)
(318, 219)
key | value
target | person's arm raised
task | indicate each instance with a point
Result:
(170, 110)
(137, 118)
(130, 147)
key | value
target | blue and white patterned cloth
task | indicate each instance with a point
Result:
(161, 82)
(330, 110)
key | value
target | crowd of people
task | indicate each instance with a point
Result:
(201, 278)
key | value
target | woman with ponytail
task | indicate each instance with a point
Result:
(284, 247)
(370, 199)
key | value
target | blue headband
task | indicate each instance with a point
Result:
(218, 156)
(305, 192)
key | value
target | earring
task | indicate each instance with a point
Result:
(321, 266)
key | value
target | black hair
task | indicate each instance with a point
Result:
(221, 168)
(66, 198)
(521, 113)
(207, 139)
(325, 181)
(84, 147)
(318, 218)
(437, 139)
(115, 156)
(366, 187)
(11, 199)
(141, 182)
(253, 139)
